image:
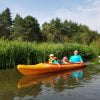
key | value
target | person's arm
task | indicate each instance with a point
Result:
(70, 59)
(57, 63)
(81, 60)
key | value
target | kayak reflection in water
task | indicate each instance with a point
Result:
(77, 75)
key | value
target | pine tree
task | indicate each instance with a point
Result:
(18, 28)
(6, 23)
(32, 29)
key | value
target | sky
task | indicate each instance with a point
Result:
(81, 11)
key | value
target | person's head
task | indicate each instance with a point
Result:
(51, 55)
(75, 52)
(55, 58)
(65, 58)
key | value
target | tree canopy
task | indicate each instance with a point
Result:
(5, 23)
(28, 29)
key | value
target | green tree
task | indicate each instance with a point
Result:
(53, 30)
(45, 31)
(71, 28)
(5, 23)
(18, 28)
(57, 31)
(77, 37)
(0, 25)
(83, 28)
(32, 29)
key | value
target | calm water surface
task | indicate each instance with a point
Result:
(81, 84)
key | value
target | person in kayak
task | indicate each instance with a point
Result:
(76, 58)
(53, 60)
(65, 60)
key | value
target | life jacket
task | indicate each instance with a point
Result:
(51, 60)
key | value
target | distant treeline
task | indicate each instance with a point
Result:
(57, 31)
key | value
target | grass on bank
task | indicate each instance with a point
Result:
(13, 53)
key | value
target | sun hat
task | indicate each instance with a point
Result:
(64, 58)
(51, 55)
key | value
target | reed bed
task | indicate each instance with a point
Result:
(13, 53)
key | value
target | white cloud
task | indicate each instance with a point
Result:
(89, 14)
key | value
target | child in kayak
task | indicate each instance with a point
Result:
(65, 60)
(53, 60)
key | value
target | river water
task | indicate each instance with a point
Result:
(81, 84)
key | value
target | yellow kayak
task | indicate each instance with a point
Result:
(47, 68)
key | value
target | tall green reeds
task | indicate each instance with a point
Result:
(13, 53)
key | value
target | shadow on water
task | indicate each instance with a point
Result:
(15, 87)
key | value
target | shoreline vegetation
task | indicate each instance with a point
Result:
(13, 53)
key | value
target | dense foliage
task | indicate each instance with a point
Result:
(5, 23)
(28, 29)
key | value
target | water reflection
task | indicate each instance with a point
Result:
(70, 84)
(50, 79)
(77, 75)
